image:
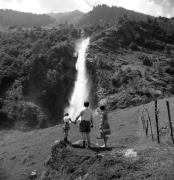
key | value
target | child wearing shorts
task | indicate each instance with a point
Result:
(104, 125)
(66, 126)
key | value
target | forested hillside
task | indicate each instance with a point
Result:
(67, 17)
(132, 64)
(20, 19)
(105, 15)
(37, 72)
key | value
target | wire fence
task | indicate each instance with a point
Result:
(157, 119)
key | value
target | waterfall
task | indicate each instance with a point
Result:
(81, 87)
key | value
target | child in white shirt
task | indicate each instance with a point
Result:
(66, 126)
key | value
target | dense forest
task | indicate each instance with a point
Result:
(105, 15)
(133, 63)
(37, 72)
(20, 19)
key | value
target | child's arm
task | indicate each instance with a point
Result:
(71, 121)
(77, 117)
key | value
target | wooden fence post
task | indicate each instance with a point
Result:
(143, 123)
(170, 122)
(156, 118)
(147, 127)
(150, 122)
(142, 120)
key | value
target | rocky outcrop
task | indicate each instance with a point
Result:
(71, 163)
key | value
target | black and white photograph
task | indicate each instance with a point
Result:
(86, 89)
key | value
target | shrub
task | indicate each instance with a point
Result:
(5, 122)
(170, 70)
(126, 77)
(32, 115)
(168, 49)
(147, 61)
(133, 46)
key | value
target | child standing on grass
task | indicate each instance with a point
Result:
(66, 126)
(104, 125)
(86, 124)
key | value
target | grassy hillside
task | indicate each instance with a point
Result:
(21, 153)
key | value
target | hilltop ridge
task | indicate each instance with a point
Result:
(67, 17)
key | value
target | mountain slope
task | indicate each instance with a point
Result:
(20, 19)
(68, 17)
(103, 14)
(131, 64)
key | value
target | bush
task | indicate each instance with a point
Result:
(170, 70)
(5, 122)
(147, 61)
(133, 46)
(126, 77)
(168, 49)
(33, 116)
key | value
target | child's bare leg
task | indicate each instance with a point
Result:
(105, 138)
(88, 139)
(84, 138)
(66, 135)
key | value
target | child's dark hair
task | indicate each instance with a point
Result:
(66, 114)
(86, 104)
(102, 108)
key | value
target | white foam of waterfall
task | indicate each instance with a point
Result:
(81, 87)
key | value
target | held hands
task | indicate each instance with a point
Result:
(74, 122)
(92, 125)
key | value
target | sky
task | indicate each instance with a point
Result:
(152, 7)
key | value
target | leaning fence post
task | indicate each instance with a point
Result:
(150, 122)
(147, 127)
(170, 122)
(142, 120)
(143, 123)
(156, 118)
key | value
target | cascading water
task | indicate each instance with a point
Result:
(81, 88)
